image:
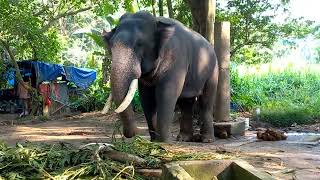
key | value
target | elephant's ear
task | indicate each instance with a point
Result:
(106, 36)
(165, 29)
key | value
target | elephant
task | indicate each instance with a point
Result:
(170, 65)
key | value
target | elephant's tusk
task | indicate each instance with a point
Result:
(107, 105)
(127, 100)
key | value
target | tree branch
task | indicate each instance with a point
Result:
(65, 14)
(263, 43)
(234, 50)
(153, 7)
(16, 66)
(138, 4)
(40, 12)
(170, 10)
(160, 7)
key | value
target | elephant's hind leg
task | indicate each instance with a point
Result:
(207, 101)
(206, 116)
(186, 123)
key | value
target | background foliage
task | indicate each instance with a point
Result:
(285, 96)
(255, 27)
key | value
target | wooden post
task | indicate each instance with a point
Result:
(222, 48)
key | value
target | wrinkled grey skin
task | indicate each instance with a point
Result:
(173, 64)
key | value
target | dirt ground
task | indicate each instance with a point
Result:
(281, 159)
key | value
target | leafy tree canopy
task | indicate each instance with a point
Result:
(29, 26)
(255, 27)
(33, 29)
(26, 26)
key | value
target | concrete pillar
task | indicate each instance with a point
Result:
(222, 48)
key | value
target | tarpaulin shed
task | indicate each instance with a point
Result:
(82, 77)
(51, 81)
(47, 72)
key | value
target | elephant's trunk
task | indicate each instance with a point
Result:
(124, 73)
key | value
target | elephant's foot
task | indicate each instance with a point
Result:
(203, 138)
(207, 138)
(185, 137)
(161, 140)
(130, 133)
(156, 137)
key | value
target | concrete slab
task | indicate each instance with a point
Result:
(212, 169)
(303, 138)
(227, 129)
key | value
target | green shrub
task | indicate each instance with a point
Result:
(285, 97)
(95, 98)
(92, 99)
(283, 114)
(136, 103)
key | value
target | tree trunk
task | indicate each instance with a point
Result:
(203, 17)
(161, 7)
(203, 14)
(16, 66)
(222, 48)
(170, 10)
(33, 91)
(153, 7)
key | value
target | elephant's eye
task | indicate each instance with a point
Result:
(138, 48)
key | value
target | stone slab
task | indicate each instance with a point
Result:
(212, 169)
(232, 128)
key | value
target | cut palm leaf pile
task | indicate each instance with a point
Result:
(64, 161)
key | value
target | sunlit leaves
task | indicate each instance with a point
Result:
(182, 12)
(22, 30)
(254, 25)
(106, 7)
(128, 6)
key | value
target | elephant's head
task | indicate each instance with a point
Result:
(134, 45)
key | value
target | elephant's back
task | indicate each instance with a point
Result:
(195, 54)
(201, 60)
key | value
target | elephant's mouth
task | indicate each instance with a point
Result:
(129, 96)
(148, 78)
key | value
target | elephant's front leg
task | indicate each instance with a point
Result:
(148, 103)
(167, 93)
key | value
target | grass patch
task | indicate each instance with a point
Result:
(284, 116)
(285, 97)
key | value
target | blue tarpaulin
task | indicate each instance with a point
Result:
(10, 76)
(48, 72)
(82, 77)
